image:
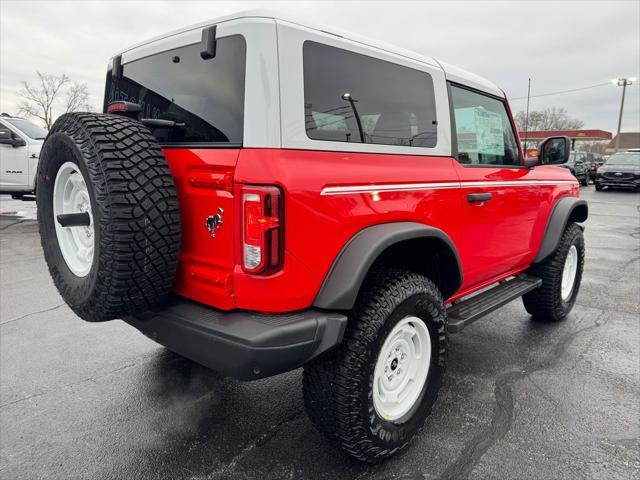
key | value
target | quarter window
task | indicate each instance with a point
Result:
(483, 129)
(355, 98)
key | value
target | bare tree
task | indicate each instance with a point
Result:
(598, 146)
(551, 118)
(43, 99)
(77, 98)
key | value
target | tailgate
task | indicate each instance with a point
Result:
(204, 183)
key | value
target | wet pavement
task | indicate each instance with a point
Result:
(521, 399)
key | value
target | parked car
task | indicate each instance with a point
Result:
(578, 166)
(261, 195)
(594, 161)
(20, 144)
(621, 170)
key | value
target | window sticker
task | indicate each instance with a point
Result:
(327, 121)
(479, 131)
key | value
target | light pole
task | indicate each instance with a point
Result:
(622, 82)
(352, 101)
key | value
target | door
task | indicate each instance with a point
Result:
(14, 167)
(499, 196)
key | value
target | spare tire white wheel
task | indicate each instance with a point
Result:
(108, 215)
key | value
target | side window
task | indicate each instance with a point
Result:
(483, 129)
(355, 98)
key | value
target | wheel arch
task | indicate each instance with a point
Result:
(567, 209)
(407, 245)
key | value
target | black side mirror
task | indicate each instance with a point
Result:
(554, 150)
(7, 137)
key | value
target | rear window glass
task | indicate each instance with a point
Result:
(351, 97)
(206, 95)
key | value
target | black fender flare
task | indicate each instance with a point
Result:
(342, 284)
(564, 210)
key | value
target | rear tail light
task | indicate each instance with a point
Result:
(262, 229)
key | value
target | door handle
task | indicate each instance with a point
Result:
(479, 197)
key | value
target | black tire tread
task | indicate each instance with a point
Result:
(332, 386)
(545, 303)
(139, 218)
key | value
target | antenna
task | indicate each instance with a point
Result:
(526, 118)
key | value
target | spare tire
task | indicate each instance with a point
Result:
(108, 215)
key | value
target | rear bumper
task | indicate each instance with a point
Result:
(241, 344)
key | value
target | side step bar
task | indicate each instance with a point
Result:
(467, 311)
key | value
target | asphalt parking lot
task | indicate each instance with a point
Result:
(521, 399)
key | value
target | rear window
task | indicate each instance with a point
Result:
(206, 95)
(355, 98)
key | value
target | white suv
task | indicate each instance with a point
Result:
(20, 144)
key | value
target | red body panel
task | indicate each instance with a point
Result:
(204, 183)
(494, 239)
(317, 226)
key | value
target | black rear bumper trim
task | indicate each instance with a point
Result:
(241, 344)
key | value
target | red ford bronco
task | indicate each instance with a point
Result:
(260, 195)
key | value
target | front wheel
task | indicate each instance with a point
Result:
(599, 187)
(561, 274)
(372, 394)
(585, 181)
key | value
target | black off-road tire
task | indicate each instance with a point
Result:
(585, 182)
(135, 215)
(546, 303)
(338, 386)
(598, 187)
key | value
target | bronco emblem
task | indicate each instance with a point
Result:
(214, 222)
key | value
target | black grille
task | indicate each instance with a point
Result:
(618, 176)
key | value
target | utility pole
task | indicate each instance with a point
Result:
(622, 82)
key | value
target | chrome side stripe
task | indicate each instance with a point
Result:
(403, 187)
(520, 183)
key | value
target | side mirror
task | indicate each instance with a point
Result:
(554, 150)
(7, 137)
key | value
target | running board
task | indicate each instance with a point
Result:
(467, 311)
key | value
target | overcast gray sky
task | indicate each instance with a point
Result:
(560, 45)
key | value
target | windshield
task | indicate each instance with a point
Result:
(626, 158)
(575, 156)
(31, 130)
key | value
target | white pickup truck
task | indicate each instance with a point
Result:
(20, 144)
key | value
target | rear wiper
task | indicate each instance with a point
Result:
(160, 123)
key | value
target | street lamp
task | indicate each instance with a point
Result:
(352, 101)
(622, 82)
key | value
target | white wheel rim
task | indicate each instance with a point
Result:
(70, 195)
(402, 368)
(569, 272)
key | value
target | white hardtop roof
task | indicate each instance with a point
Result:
(452, 73)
